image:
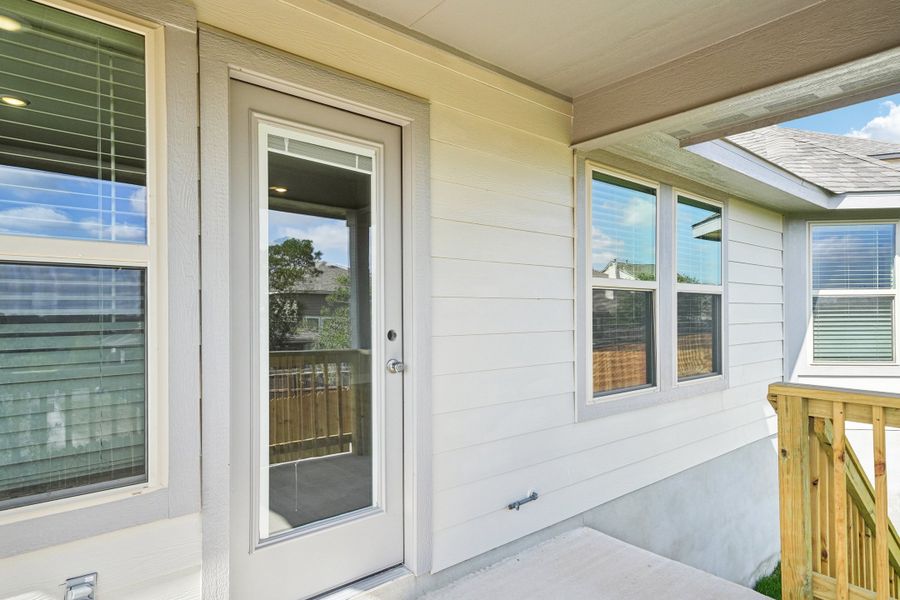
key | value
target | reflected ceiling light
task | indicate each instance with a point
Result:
(278, 189)
(14, 101)
(9, 24)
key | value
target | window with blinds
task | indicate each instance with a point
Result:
(699, 335)
(74, 337)
(623, 214)
(854, 292)
(698, 282)
(72, 378)
(72, 127)
(623, 224)
(622, 357)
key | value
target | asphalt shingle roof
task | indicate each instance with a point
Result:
(837, 163)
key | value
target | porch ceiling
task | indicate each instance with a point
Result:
(578, 46)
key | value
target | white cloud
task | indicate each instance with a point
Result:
(32, 219)
(885, 127)
(640, 211)
(122, 231)
(329, 236)
(43, 220)
(138, 201)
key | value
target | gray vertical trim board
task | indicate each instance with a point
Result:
(181, 492)
(222, 57)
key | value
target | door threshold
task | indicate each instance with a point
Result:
(366, 584)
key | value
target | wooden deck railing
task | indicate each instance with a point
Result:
(318, 403)
(837, 541)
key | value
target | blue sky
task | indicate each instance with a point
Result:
(329, 236)
(876, 119)
(41, 203)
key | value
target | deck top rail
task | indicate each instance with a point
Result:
(837, 541)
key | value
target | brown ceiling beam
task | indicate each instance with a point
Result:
(812, 40)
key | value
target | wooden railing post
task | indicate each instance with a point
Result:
(793, 480)
(882, 573)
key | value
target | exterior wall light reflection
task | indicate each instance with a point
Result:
(278, 189)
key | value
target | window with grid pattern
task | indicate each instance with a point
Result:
(623, 258)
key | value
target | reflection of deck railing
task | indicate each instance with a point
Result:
(318, 403)
(836, 538)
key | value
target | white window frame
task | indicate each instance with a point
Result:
(667, 388)
(850, 368)
(698, 288)
(150, 256)
(620, 285)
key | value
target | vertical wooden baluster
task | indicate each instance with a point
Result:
(325, 370)
(315, 394)
(881, 505)
(342, 445)
(852, 556)
(839, 483)
(793, 481)
(815, 450)
(301, 407)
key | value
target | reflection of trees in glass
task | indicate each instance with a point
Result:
(336, 327)
(687, 279)
(291, 263)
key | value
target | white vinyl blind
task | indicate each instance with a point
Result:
(853, 256)
(853, 287)
(853, 328)
(72, 378)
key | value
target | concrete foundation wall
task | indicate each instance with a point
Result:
(720, 516)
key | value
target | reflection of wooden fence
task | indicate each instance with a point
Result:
(619, 367)
(695, 354)
(623, 366)
(318, 403)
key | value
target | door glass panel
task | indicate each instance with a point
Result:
(318, 421)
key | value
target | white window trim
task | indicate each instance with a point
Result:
(848, 368)
(151, 256)
(667, 387)
(699, 288)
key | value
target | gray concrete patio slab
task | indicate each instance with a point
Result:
(584, 564)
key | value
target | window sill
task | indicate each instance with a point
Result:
(29, 528)
(615, 404)
(849, 370)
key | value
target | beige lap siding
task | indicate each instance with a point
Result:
(505, 423)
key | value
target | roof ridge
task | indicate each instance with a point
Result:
(839, 138)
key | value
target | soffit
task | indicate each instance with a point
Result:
(579, 46)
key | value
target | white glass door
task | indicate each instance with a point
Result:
(316, 412)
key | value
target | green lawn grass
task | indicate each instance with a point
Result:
(770, 585)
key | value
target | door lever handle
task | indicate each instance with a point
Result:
(395, 366)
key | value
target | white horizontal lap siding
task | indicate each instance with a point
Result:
(502, 432)
(503, 286)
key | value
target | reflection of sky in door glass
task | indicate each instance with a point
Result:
(329, 236)
(40, 203)
(623, 224)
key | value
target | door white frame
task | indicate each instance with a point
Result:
(224, 57)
